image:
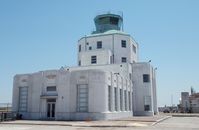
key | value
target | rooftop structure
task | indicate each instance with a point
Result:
(106, 22)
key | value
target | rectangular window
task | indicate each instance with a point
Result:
(80, 48)
(90, 48)
(121, 100)
(99, 44)
(146, 107)
(125, 99)
(93, 59)
(115, 93)
(51, 88)
(129, 101)
(134, 49)
(23, 99)
(147, 103)
(146, 78)
(109, 98)
(123, 59)
(123, 43)
(82, 98)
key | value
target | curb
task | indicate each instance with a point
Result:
(80, 125)
(160, 120)
(183, 115)
(72, 125)
(68, 125)
(35, 124)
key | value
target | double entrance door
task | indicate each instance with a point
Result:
(51, 108)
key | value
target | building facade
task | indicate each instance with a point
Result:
(189, 103)
(108, 83)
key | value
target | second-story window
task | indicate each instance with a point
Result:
(123, 43)
(93, 59)
(90, 48)
(99, 44)
(123, 59)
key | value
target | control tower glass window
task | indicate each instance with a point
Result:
(108, 20)
(114, 20)
(99, 44)
(104, 20)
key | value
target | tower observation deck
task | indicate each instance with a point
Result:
(105, 22)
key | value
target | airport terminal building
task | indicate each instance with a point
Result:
(108, 83)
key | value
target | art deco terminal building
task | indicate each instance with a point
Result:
(108, 83)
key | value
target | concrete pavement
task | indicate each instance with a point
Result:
(173, 123)
(124, 122)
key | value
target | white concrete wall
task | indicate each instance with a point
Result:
(142, 89)
(123, 69)
(103, 57)
(111, 42)
(66, 82)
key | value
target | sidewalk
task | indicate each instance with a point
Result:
(125, 122)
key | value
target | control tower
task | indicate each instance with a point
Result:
(105, 22)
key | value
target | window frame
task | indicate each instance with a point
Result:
(55, 90)
(94, 59)
(146, 78)
(123, 43)
(82, 103)
(23, 99)
(122, 59)
(99, 44)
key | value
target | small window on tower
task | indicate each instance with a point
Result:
(99, 44)
(51, 88)
(123, 43)
(93, 59)
(146, 78)
(123, 59)
(90, 48)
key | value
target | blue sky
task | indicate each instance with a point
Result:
(42, 34)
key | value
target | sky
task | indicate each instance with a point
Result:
(39, 35)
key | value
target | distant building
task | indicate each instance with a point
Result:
(185, 102)
(108, 83)
(189, 103)
(194, 102)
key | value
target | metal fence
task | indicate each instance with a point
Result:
(7, 116)
(6, 113)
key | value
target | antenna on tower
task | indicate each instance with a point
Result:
(122, 21)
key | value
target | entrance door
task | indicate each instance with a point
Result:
(51, 108)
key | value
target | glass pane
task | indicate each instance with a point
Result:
(53, 110)
(51, 88)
